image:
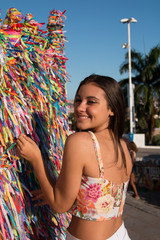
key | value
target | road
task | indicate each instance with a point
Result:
(141, 219)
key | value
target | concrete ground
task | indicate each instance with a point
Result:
(141, 218)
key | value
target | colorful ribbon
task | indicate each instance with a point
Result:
(33, 81)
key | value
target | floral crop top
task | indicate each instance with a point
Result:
(98, 198)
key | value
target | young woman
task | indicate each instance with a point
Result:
(96, 165)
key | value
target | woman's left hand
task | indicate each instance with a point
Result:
(28, 149)
(38, 198)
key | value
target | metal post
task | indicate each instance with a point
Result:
(131, 101)
(130, 81)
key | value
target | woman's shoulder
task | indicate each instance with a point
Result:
(123, 141)
(124, 144)
(126, 150)
(78, 138)
(78, 145)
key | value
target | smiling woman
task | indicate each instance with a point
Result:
(91, 108)
(96, 165)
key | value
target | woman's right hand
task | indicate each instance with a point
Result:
(28, 149)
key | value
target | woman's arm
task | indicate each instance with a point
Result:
(61, 196)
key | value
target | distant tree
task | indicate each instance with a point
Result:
(72, 121)
(146, 70)
(157, 123)
(156, 140)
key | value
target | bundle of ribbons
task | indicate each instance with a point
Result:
(33, 101)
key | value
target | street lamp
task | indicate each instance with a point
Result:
(131, 102)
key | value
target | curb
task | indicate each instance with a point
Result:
(143, 206)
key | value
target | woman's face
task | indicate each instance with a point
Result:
(91, 108)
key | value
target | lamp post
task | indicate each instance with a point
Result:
(131, 102)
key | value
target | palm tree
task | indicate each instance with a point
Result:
(146, 70)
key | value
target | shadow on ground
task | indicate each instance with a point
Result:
(150, 197)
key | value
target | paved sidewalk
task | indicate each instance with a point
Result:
(141, 219)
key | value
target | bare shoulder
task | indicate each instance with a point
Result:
(78, 139)
(124, 144)
(125, 148)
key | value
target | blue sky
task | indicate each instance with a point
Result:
(95, 34)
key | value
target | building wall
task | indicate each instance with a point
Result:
(71, 106)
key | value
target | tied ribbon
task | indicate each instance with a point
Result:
(33, 101)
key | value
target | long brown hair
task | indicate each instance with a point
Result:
(116, 103)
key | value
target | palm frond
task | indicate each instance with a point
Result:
(146, 70)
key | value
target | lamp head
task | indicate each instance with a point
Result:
(124, 20)
(132, 20)
(124, 45)
(128, 20)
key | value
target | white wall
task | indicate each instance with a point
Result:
(138, 138)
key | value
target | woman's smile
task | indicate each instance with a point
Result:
(82, 117)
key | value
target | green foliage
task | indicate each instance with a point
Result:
(72, 121)
(157, 123)
(146, 70)
(156, 140)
